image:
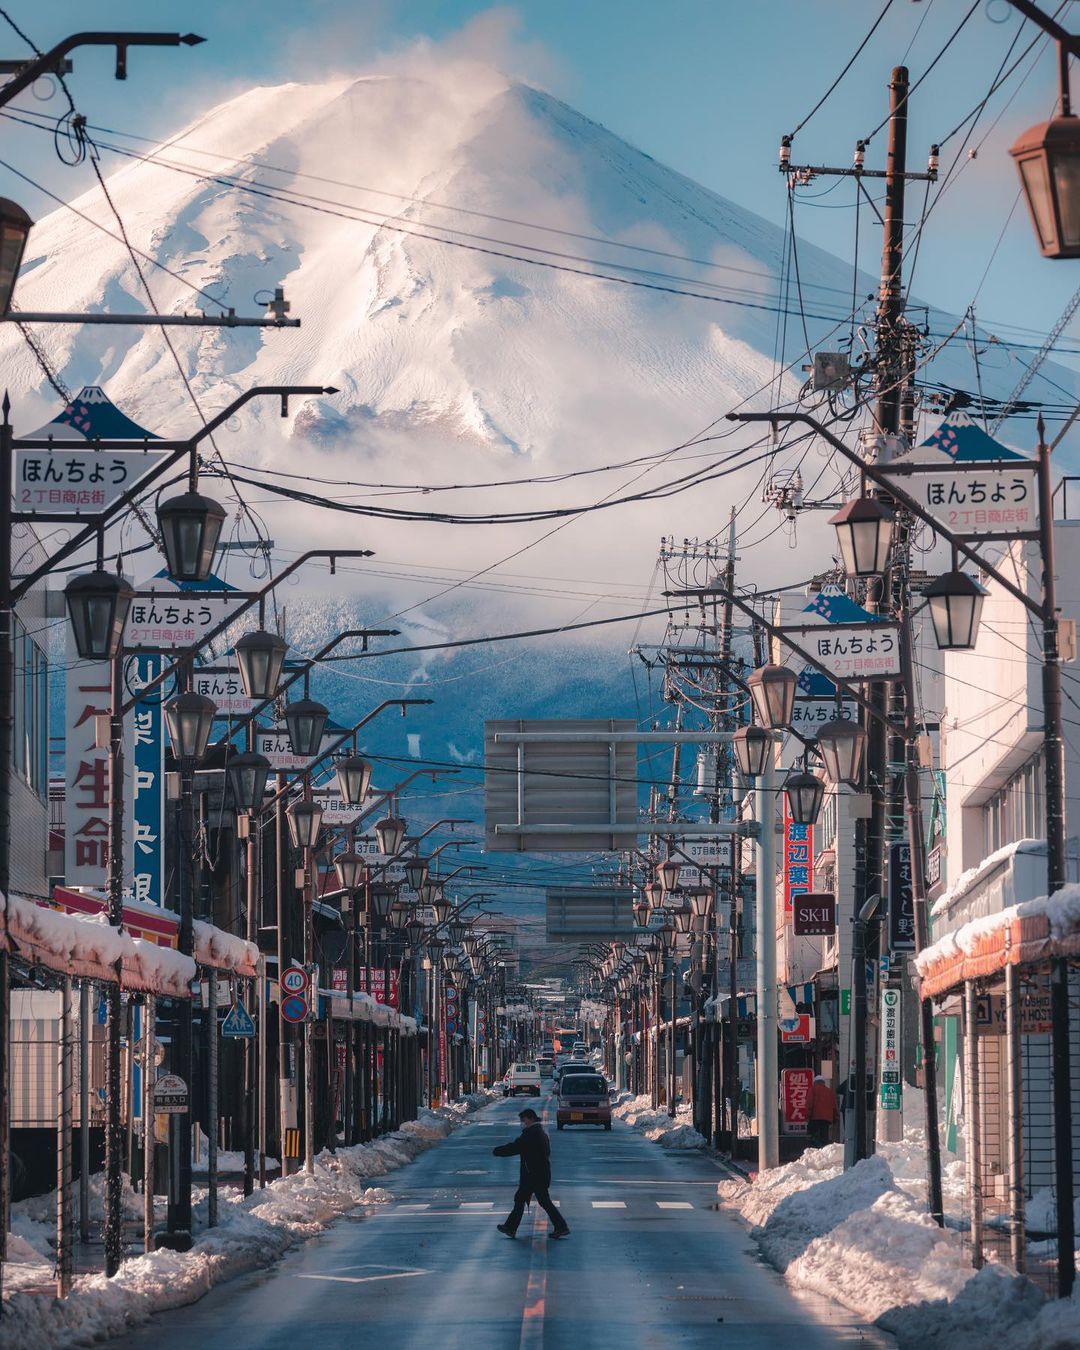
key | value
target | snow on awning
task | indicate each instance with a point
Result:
(224, 951)
(1022, 935)
(90, 948)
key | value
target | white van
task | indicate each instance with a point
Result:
(525, 1078)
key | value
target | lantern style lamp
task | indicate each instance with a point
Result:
(350, 868)
(653, 894)
(398, 916)
(441, 908)
(416, 870)
(470, 944)
(701, 903)
(668, 935)
(773, 691)
(260, 656)
(955, 601)
(435, 947)
(667, 874)
(305, 819)
(641, 914)
(354, 778)
(864, 532)
(382, 899)
(389, 835)
(683, 917)
(617, 949)
(456, 930)
(190, 719)
(247, 773)
(97, 605)
(306, 721)
(842, 743)
(805, 792)
(752, 745)
(414, 931)
(1048, 159)
(15, 225)
(190, 526)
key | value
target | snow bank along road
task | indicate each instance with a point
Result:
(651, 1262)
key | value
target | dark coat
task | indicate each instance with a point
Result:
(534, 1149)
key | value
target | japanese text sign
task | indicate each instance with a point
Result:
(974, 501)
(63, 482)
(814, 914)
(901, 901)
(798, 859)
(796, 1087)
(146, 783)
(86, 772)
(890, 1050)
(165, 620)
(864, 651)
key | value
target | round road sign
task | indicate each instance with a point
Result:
(294, 980)
(294, 1008)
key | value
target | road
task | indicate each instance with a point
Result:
(650, 1263)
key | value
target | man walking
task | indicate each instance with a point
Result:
(824, 1112)
(534, 1150)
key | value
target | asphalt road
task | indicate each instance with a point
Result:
(650, 1263)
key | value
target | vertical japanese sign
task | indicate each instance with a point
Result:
(890, 1050)
(86, 771)
(796, 1085)
(901, 900)
(146, 739)
(798, 860)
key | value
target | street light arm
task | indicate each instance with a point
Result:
(189, 653)
(1070, 41)
(48, 61)
(178, 448)
(908, 503)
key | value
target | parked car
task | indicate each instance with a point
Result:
(583, 1100)
(524, 1078)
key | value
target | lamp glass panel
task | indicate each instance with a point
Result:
(1066, 166)
(1036, 181)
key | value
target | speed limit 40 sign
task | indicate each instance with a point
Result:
(294, 980)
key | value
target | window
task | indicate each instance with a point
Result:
(1016, 811)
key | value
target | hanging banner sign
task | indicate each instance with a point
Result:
(336, 810)
(798, 860)
(865, 651)
(809, 713)
(814, 914)
(277, 748)
(165, 619)
(975, 499)
(368, 847)
(146, 783)
(63, 482)
(378, 986)
(226, 690)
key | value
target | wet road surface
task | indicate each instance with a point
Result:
(650, 1263)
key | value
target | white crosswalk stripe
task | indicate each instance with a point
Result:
(609, 1204)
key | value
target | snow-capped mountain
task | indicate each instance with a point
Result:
(455, 364)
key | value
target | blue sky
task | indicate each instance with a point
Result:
(707, 86)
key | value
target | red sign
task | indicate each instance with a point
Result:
(378, 986)
(798, 859)
(799, 1034)
(339, 979)
(814, 914)
(796, 1086)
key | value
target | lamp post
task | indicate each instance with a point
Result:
(305, 820)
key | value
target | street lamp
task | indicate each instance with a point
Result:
(653, 894)
(260, 656)
(682, 917)
(864, 532)
(305, 818)
(382, 899)
(667, 874)
(753, 745)
(15, 225)
(441, 908)
(668, 935)
(190, 526)
(350, 868)
(416, 870)
(190, 719)
(805, 792)
(955, 601)
(641, 914)
(701, 903)
(98, 604)
(247, 774)
(389, 835)
(414, 931)
(841, 744)
(429, 891)
(773, 691)
(306, 720)
(354, 778)
(1048, 159)
(456, 930)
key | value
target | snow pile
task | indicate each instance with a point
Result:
(251, 1233)
(1061, 911)
(224, 951)
(657, 1125)
(864, 1238)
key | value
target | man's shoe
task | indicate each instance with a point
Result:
(508, 1231)
(559, 1233)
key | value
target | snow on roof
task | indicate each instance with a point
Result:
(1023, 934)
(224, 951)
(92, 415)
(967, 881)
(92, 948)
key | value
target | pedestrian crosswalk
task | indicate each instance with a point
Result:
(454, 1205)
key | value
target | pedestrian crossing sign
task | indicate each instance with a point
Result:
(238, 1022)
